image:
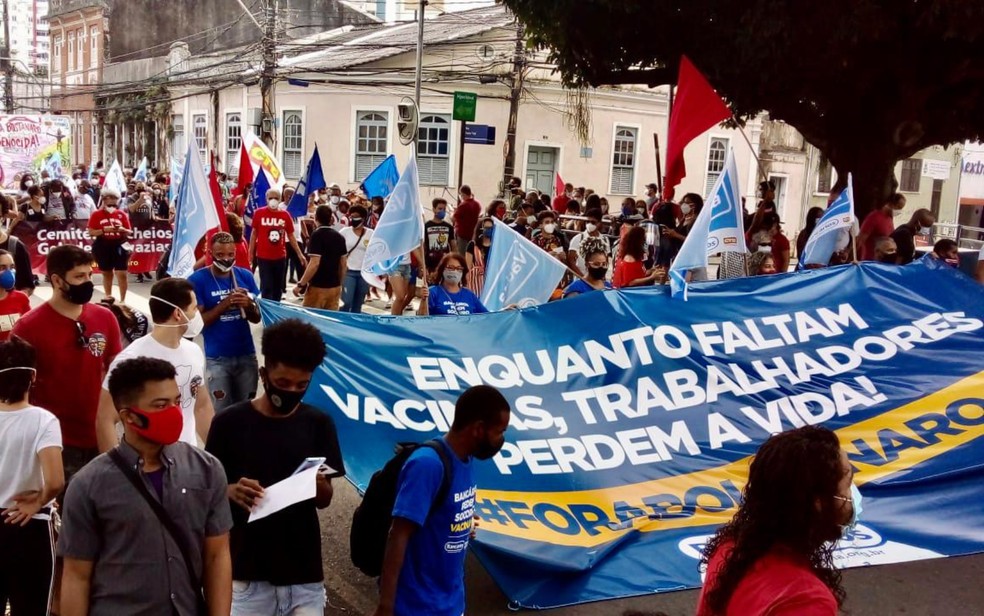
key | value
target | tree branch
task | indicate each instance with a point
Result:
(651, 77)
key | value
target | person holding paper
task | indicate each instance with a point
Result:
(276, 560)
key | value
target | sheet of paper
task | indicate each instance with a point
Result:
(283, 494)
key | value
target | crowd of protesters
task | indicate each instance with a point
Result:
(152, 450)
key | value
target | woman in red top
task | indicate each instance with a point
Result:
(775, 556)
(630, 271)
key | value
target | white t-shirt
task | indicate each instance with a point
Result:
(189, 362)
(358, 255)
(84, 207)
(24, 433)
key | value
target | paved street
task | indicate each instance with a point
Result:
(944, 587)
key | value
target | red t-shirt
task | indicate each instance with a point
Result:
(466, 218)
(778, 584)
(878, 224)
(273, 229)
(109, 223)
(70, 375)
(11, 308)
(559, 203)
(626, 272)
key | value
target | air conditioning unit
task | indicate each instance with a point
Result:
(254, 117)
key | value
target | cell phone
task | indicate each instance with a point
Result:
(308, 463)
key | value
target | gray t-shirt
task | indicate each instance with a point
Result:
(137, 566)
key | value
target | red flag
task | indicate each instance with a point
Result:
(213, 184)
(558, 186)
(245, 171)
(697, 108)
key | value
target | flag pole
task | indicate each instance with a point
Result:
(758, 161)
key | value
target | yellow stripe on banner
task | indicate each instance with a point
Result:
(888, 444)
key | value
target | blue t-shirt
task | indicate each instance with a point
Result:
(230, 335)
(580, 287)
(432, 581)
(440, 302)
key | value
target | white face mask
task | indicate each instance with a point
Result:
(273, 204)
(531, 220)
(549, 228)
(335, 199)
(591, 227)
(29, 183)
(686, 209)
(925, 231)
(195, 324)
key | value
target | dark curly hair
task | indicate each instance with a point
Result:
(789, 475)
(293, 343)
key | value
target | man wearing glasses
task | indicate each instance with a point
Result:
(75, 341)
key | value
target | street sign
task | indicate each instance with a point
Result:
(465, 104)
(480, 134)
(936, 169)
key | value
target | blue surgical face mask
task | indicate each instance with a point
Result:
(8, 279)
(856, 509)
(441, 214)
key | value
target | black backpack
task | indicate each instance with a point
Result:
(373, 517)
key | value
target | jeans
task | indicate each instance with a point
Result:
(354, 289)
(231, 380)
(272, 282)
(264, 599)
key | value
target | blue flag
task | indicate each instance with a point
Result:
(718, 228)
(823, 241)
(313, 180)
(92, 169)
(400, 228)
(194, 215)
(257, 197)
(518, 272)
(382, 180)
(177, 170)
(54, 165)
(141, 173)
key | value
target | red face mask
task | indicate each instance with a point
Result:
(163, 427)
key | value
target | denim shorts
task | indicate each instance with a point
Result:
(255, 598)
(403, 271)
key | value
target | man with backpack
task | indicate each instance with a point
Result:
(423, 567)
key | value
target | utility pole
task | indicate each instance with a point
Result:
(515, 96)
(5, 64)
(269, 48)
(418, 75)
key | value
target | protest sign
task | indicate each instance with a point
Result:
(634, 422)
(29, 142)
(150, 240)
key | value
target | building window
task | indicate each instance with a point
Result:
(623, 161)
(433, 155)
(825, 176)
(716, 155)
(93, 47)
(178, 146)
(199, 124)
(234, 140)
(911, 172)
(372, 141)
(56, 64)
(81, 48)
(293, 144)
(71, 51)
(95, 140)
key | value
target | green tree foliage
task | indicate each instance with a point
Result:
(869, 82)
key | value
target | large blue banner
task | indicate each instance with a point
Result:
(634, 421)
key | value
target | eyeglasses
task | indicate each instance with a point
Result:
(83, 340)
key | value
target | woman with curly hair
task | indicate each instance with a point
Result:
(630, 268)
(775, 556)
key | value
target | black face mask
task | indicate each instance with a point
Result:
(487, 450)
(890, 259)
(79, 293)
(597, 273)
(283, 402)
